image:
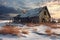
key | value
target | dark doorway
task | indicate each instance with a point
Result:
(43, 20)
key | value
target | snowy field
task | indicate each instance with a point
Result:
(30, 36)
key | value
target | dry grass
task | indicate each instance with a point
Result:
(53, 25)
(9, 30)
(48, 31)
(25, 31)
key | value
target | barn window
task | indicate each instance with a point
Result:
(44, 12)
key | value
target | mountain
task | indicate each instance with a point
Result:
(5, 11)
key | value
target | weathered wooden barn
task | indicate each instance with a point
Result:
(37, 15)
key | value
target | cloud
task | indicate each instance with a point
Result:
(53, 5)
(23, 4)
(54, 8)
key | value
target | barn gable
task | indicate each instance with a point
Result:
(44, 15)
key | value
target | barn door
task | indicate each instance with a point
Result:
(43, 20)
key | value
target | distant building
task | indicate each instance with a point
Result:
(37, 15)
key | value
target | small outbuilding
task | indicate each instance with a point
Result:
(36, 15)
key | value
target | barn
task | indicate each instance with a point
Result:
(36, 15)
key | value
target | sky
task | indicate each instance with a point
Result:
(53, 5)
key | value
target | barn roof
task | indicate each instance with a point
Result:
(32, 12)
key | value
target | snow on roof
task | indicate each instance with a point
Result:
(31, 13)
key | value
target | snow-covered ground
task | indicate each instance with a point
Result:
(30, 36)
